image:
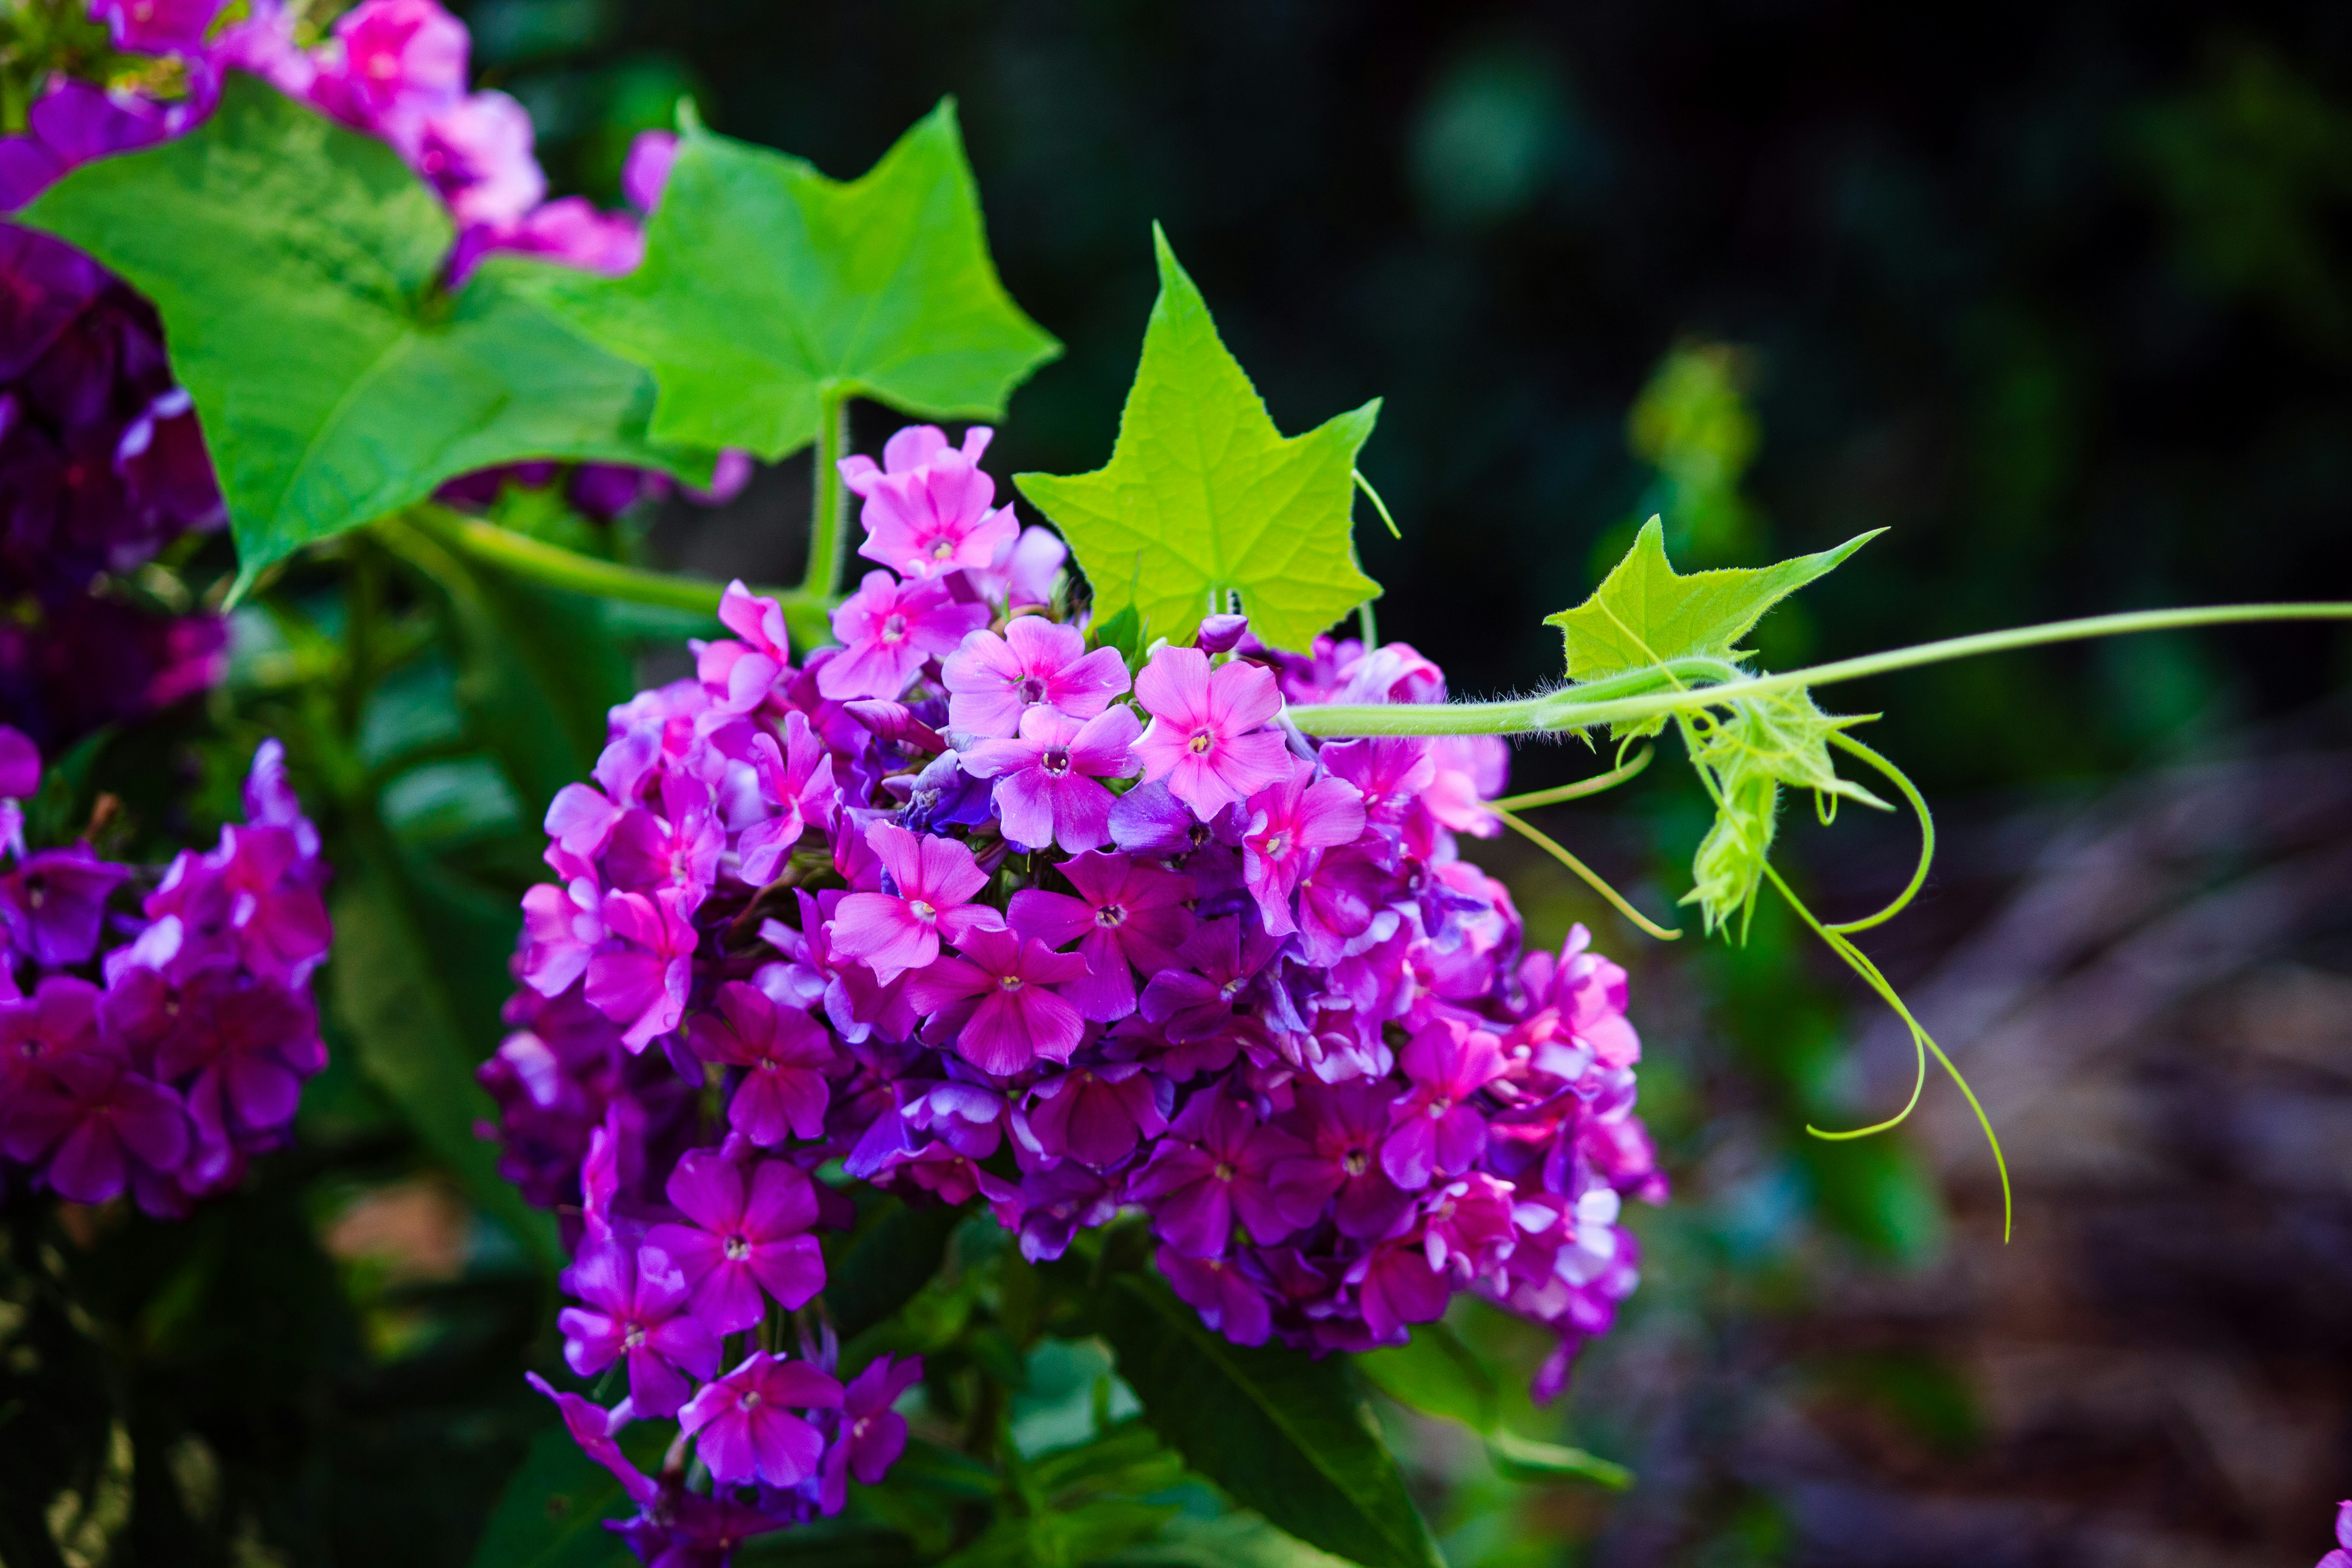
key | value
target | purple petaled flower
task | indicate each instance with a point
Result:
(1434, 1128)
(475, 153)
(57, 1019)
(1468, 769)
(745, 1237)
(157, 26)
(1395, 1287)
(582, 817)
(796, 784)
(20, 765)
(745, 667)
(641, 985)
(995, 1002)
(593, 1427)
(1024, 570)
(635, 1312)
(855, 1002)
(644, 173)
(1129, 915)
(936, 881)
(677, 851)
(1219, 960)
(1047, 788)
(1344, 1126)
(887, 628)
(1208, 737)
(1096, 1115)
(54, 902)
(783, 1053)
(743, 1423)
(243, 1046)
(1290, 824)
(1227, 1300)
(926, 507)
(1218, 1162)
(102, 1126)
(1390, 773)
(563, 927)
(872, 1435)
(992, 681)
(2342, 1556)
(392, 59)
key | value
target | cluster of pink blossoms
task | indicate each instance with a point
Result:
(157, 1054)
(969, 908)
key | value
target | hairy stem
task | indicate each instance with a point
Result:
(1604, 701)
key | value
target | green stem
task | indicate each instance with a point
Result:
(829, 502)
(1580, 788)
(1379, 505)
(1598, 702)
(1590, 878)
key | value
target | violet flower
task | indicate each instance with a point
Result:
(1219, 959)
(641, 985)
(745, 1237)
(1129, 915)
(593, 1427)
(563, 927)
(796, 782)
(1097, 1115)
(936, 881)
(1395, 1287)
(872, 1435)
(743, 1424)
(636, 1313)
(1207, 736)
(157, 26)
(2342, 1556)
(992, 681)
(995, 1002)
(1047, 782)
(105, 1124)
(785, 1053)
(1290, 824)
(1344, 1126)
(1227, 1300)
(54, 902)
(926, 507)
(887, 628)
(1218, 1162)
(1434, 1130)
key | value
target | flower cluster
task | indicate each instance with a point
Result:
(186, 1054)
(982, 913)
(2342, 1556)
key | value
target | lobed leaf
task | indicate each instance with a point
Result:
(767, 289)
(1203, 499)
(296, 265)
(1286, 1435)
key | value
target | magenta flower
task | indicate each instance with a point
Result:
(1129, 915)
(1434, 1128)
(936, 880)
(855, 1002)
(20, 764)
(635, 1312)
(1096, 1115)
(2342, 1556)
(1023, 571)
(992, 681)
(1290, 824)
(157, 26)
(1218, 1161)
(641, 985)
(1468, 769)
(677, 850)
(593, 1427)
(1390, 771)
(107, 1122)
(746, 671)
(243, 1046)
(1047, 782)
(1207, 736)
(1396, 1287)
(1197, 1000)
(872, 1435)
(475, 153)
(783, 1053)
(55, 1019)
(1344, 1126)
(392, 57)
(796, 784)
(927, 507)
(1226, 1299)
(887, 628)
(1468, 1230)
(563, 927)
(744, 1237)
(743, 1423)
(54, 903)
(644, 173)
(996, 1003)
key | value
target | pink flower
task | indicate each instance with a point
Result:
(796, 782)
(992, 681)
(636, 1312)
(2342, 1556)
(1434, 1128)
(1129, 915)
(675, 852)
(1344, 1127)
(1469, 769)
(887, 628)
(1024, 570)
(996, 1005)
(743, 1239)
(936, 880)
(785, 1052)
(1207, 736)
(157, 26)
(642, 985)
(873, 1434)
(927, 509)
(740, 670)
(1046, 788)
(744, 1427)
(645, 171)
(1290, 823)
(1390, 771)
(561, 927)
(390, 58)
(477, 153)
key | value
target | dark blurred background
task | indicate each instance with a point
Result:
(2061, 296)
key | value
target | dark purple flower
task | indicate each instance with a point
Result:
(783, 1053)
(996, 1003)
(1128, 916)
(872, 1435)
(1226, 1299)
(1219, 960)
(241, 1047)
(54, 902)
(1395, 1287)
(1344, 1127)
(635, 1312)
(101, 1125)
(743, 1423)
(746, 1236)
(593, 1427)
(1096, 1115)
(1218, 1161)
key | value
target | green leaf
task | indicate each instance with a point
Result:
(1228, 1541)
(1525, 1459)
(552, 1512)
(767, 289)
(885, 1261)
(295, 265)
(1204, 498)
(1286, 1435)
(1645, 613)
(1438, 1374)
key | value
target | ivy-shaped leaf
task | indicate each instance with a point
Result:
(1203, 499)
(1645, 613)
(1286, 1434)
(295, 265)
(767, 287)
